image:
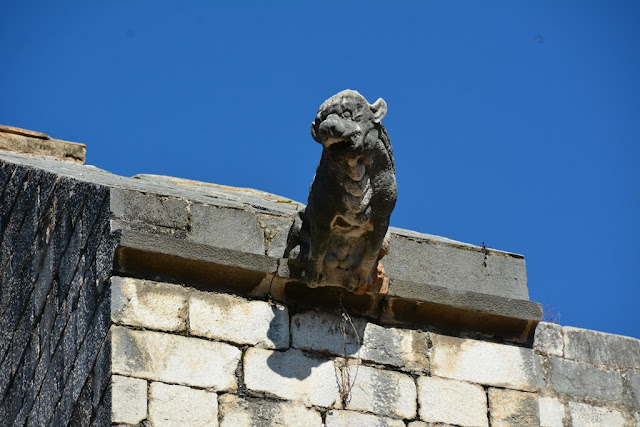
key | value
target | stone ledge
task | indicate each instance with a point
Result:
(31, 142)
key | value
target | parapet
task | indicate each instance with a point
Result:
(151, 299)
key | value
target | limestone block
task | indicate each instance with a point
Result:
(226, 228)
(381, 392)
(584, 415)
(548, 339)
(551, 412)
(451, 401)
(129, 399)
(485, 363)
(598, 347)
(148, 304)
(175, 405)
(336, 418)
(235, 319)
(291, 375)
(511, 408)
(403, 348)
(248, 412)
(423, 424)
(154, 209)
(174, 359)
(583, 380)
(634, 384)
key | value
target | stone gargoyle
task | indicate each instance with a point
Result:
(339, 238)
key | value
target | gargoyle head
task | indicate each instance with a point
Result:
(346, 117)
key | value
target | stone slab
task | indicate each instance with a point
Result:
(238, 320)
(584, 415)
(552, 412)
(175, 405)
(37, 143)
(511, 408)
(548, 339)
(485, 363)
(148, 304)
(450, 401)
(386, 393)
(355, 337)
(236, 411)
(600, 348)
(129, 397)
(174, 359)
(337, 418)
(584, 380)
(291, 375)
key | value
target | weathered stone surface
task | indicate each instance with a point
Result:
(597, 347)
(326, 332)
(340, 235)
(510, 408)
(175, 405)
(634, 384)
(31, 142)
(584, 415)
(129, 396)
(485, 363)
(226, 228)
(276, 230)
(386, 393)
(451, 401)
(248, 412)
(551, 412)
(424, 424)
(548, 339)
(583, 380)
(148, 304)
(291, 375)
(455, 265)
(230, 318)
(174, 359)
(150, 208)
(337, 418)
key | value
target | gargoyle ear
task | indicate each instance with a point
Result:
(379, 110)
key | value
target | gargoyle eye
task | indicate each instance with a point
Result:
(346, 114)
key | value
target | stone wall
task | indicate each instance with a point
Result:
(56, 255)
(207, 358)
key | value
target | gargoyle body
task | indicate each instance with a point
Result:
(341, 235)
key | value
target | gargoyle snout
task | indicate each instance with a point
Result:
(333, 129)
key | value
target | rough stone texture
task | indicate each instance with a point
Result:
(211, 225)
(30, 142)
(56, 254)
(601, 348)
(386, 393)
(153, 209)
(174, 359)
(634, 384)
(175, 405)
(247, 412)
(129, 397)
(423, 424)
(584, 415)
(485, 363)
(548, 339)
(341, 232)
(336, 418)
(148, 304)
(583, 380)
(340, 336)
(552, 412)
(291, 375)
(510, 408)
(451, 401)
(455, 265)
(238, 320)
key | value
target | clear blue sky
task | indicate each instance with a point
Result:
(513, 123)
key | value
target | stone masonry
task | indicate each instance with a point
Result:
(157, 301)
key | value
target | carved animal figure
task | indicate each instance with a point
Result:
(341, 233)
